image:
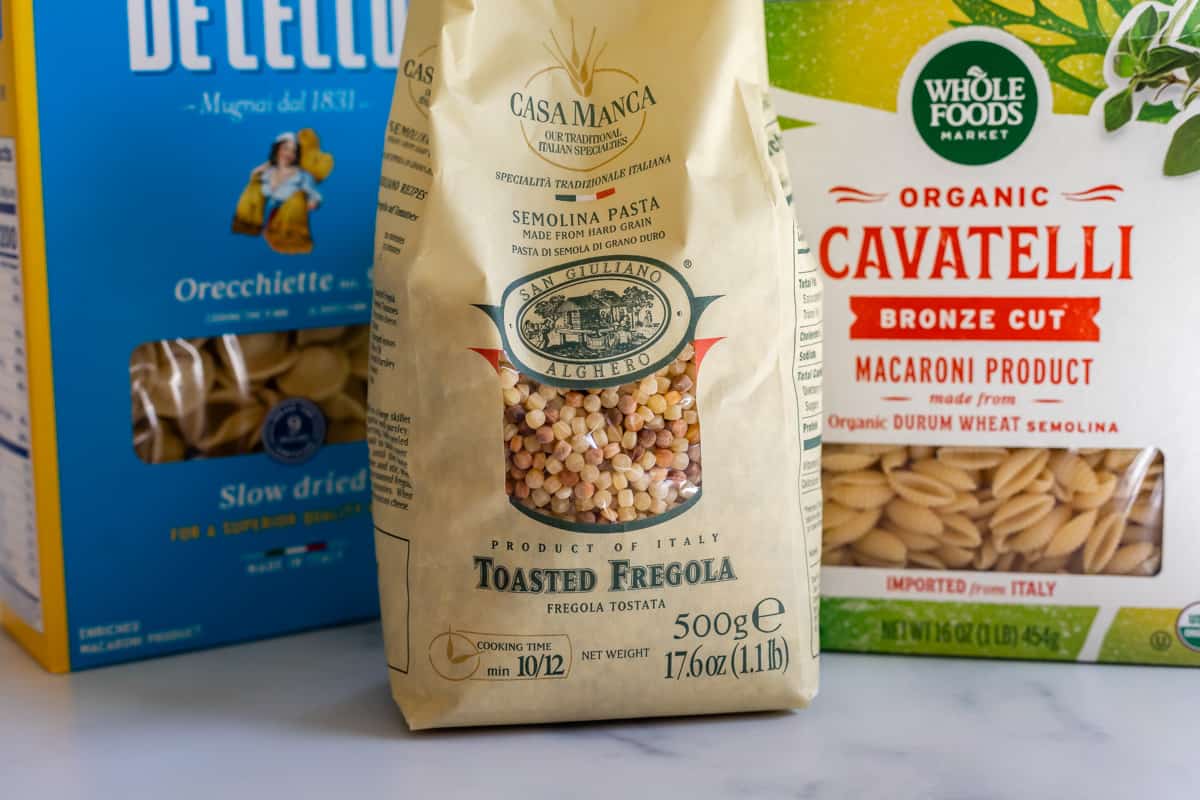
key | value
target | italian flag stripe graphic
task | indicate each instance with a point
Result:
(585, 198)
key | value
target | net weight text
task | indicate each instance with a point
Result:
(748, 653)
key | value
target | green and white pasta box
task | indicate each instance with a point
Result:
(1001, 196)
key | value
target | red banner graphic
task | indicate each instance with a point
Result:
(998, 319)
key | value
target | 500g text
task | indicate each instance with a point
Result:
(722, 623)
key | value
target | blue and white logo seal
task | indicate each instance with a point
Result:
(294, 431)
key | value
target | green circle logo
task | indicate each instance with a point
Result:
(1187, 627)
(975, 103)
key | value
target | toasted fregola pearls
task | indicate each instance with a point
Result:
(993, 509)
(205, 398)
(603, 456)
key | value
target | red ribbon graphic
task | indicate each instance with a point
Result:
(997, 319)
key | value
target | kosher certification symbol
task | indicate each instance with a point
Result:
(294, 431)
(1187, 627)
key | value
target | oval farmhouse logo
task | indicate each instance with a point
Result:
(596, 318)
(598, 322)
(577, 114)
(975, 102)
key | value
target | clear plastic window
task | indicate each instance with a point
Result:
(208, 398)
(603, 456)
(994, 509)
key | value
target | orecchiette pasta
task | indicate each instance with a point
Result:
(994, 509)
(206, 398)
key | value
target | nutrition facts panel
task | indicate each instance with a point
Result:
(20, 581)
(807, 369)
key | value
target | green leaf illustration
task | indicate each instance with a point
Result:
(1148, 59)
(1144, 31)
(1183, 157)
(1087, 40)
(1189, 26)
(1162, 113)
(1193, 76)
(1166, 59)
(1125, 65)
(788, 123)
(1191, 32)
(1118, 110)
(1125, 47)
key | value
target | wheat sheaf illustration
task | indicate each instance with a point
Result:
(581, 69)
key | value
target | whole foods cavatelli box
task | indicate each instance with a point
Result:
(1002, 196)
(187, 192)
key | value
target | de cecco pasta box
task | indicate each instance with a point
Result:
(187, 200)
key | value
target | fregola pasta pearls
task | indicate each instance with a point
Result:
(603, 456)
(205, 398)
(993, 509)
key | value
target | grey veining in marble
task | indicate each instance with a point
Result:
(310, 717)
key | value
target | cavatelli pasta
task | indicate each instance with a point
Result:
(994, 509)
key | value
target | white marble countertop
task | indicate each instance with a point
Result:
(310, 717)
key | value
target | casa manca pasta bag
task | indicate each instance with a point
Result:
(594, 389)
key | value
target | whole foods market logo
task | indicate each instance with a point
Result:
(577, 113)
(975, 102)
(598, 322)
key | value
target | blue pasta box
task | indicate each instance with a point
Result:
(187, 201)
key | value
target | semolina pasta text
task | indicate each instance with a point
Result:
(993, 509)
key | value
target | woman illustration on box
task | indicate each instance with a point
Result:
(276, 202)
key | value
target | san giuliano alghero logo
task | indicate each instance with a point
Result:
(597, 322)
(579, 112)
(975, 102)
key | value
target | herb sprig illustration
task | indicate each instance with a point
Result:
(1157, 61)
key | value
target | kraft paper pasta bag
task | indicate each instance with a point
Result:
(595, 375)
